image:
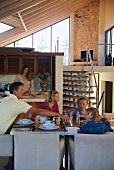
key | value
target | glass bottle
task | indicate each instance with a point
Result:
(78, 117)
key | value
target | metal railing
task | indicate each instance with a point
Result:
(88, 56)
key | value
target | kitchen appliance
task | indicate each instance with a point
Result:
(6, 88)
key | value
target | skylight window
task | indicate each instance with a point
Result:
(4, 27)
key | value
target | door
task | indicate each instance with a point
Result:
(108, 97)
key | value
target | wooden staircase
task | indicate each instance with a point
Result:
(77, 84)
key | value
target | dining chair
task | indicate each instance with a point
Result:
(6, 148)
(92, 152)
(38, 151)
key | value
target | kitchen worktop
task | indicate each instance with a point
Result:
(30, 98)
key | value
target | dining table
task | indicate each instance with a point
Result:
(65, 130)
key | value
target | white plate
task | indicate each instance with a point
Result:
(20, 123)
(22, 129)
(48, 127)
(49, 124)
(109, 132)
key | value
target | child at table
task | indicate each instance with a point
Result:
(51, 104)
(82, 104)
(95, 123)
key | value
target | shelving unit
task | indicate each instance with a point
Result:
(75, 85)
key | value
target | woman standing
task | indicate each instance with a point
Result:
(26, 78)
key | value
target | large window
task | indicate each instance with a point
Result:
(109, 48)
(41, 40)
(25, 42)
(52, 39)
(60, 39)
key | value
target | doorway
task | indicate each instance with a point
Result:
(108, 96)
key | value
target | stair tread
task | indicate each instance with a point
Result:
(77, 91)
(76, 86)
(69, 102)
(75, 97)
(75, 80)
(76, 76)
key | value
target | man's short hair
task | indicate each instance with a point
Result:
(14, 86)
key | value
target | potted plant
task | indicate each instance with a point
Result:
(43, 77)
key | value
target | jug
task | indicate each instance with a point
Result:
(6, 87)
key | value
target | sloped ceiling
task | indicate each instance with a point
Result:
(29, 16)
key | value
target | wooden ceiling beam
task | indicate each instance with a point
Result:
(55, 11)
(6, 3)
(13, 9)
(44, 8)
(38, 6)
(45, 11)
(13, 6)
(22, 21)
(11, 33)
(13, 21)
(42, 21)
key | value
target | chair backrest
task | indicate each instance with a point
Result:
(94, 152)
(37, 152)
(6, 145)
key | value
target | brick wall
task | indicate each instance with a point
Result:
(86, 29)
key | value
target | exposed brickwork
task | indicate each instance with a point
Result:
(86, 29)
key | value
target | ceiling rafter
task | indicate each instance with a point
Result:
(13, 6)
(6, 3)
(38, 15)
(10, 11)
(48, 13)
(42, 8)
(22, 21)
(39, 6)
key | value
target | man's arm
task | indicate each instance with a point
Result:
(43, 112)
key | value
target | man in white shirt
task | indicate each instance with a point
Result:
(11, 107)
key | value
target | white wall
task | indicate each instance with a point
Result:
(4, 79)
(102, 78)
(59, 80)
(109, 14)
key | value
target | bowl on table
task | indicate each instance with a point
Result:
(7, 93)
(49, 125)
(42, 119)
(48, 121)
(25, 121)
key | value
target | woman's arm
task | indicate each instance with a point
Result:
(32, 85)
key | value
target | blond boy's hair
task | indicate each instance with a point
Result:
(89, 103)
(82, 98)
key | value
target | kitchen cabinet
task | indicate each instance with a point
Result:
(12, 65)
(12, 62)
(2, 65)
(31, 61)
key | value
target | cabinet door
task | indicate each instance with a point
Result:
(48, 63)
(53, 73)
(13, 65)
(2, 65)
(44, 62)
(30, 61)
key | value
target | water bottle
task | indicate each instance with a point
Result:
(71, 119)
(77, 117)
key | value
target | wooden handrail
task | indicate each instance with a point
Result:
(88, 54)
(101, 99)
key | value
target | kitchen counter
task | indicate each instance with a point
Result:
(30, 98)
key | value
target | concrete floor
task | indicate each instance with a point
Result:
(3, 162)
